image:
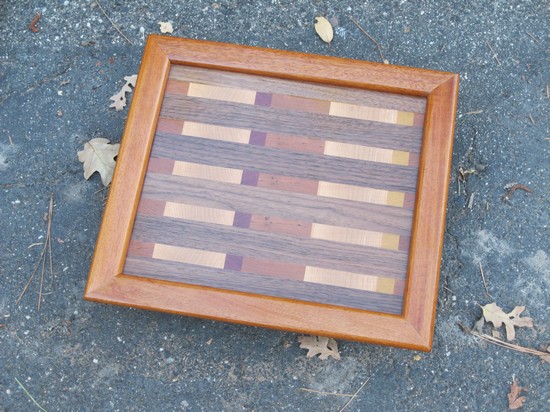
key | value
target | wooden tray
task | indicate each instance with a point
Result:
(280, 189)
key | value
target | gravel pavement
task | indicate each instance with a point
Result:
(74, 355)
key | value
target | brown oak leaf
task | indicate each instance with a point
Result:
(119, 99)
(514, 400)
(319, 345)
(494, 314)
(98, 156)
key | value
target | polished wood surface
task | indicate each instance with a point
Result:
(282, 190)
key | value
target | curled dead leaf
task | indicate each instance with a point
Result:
(119, 99)
(494, 314)
(319, 345)
(98, 156)
(324, 29)
(514, 400)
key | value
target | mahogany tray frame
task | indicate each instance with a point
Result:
(412, 329)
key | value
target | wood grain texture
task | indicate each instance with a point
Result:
(399, 311)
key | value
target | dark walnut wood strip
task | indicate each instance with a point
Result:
(284, 248)
(268, 119)
(264, 285)
(294, 88)
(284, 162)
(257, 200)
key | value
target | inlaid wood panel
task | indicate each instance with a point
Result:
(268, 248)
(280, 189)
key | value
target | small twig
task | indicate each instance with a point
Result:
(450, 290)
(484, 282)
(532, 120)
(11, 141)
(32, 25)
(325, 393)
(533, 37)
(29, 395)
(494, 52)
(471, 201)
(543, 355)
(510, 190)
(49, 245)
(42, 259)
(354, 395)
(474, 112)
(547, 92)
(384, 60)
(112, 22)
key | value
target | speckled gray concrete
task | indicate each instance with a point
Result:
(75, 355)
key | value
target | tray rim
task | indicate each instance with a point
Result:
(413, 329)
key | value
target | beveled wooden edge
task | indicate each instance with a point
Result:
(413, 329)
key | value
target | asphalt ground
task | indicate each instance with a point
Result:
(74, 355)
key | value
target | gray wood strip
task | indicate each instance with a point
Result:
(273, 246)
(295, 88)
(264, 285)
(256, 200)
(268, 119)
(285, 162)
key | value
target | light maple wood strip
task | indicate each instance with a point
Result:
(199, 213)
(294, 88)
(200, 171)
(346, 235)
(339, 278)
(256, 200)
(214, 132)
(265, 285)
(188, 255)
(227, 94)
(361, 194)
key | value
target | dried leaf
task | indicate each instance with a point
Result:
(166, 27)
(497, 317)
(98, 156)
(514, 400)
(119, 99)
(324, 29)
(319, 345)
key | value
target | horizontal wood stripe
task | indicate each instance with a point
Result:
(349, 280)
(210, 131)
(200, 171)
(291, 184)
(298, 104)
(248, 282)
(228, 94)
(264, 267)
(355, 111)
(271, 246)
(310, 166)
(273, 224)
(361, 194)
(256, 200)
(355, 236)
(188, 255)
(295, 88)
(296, 143)
(199, 213)
(272, 120)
